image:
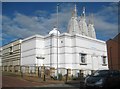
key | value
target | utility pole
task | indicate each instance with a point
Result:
(57, 39)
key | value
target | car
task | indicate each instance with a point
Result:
(103, 79)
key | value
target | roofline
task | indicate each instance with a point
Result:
(65, 34)
(31, 37)
(12, 42)
(86, 37)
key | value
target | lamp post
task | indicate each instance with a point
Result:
(57, 40)
(51, 50)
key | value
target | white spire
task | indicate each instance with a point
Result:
(91, 31)
(83, 24)
(83, 27)
(92, 20)
(73, 26)
(91, 28)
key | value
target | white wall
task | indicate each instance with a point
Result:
(32, 48)
(28, 52)
(94, 50)
(69, 48)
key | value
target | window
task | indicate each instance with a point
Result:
(61, 41)
(82, 58)
(104, 60)
(11, 50)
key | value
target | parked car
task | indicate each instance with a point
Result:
(103, 79)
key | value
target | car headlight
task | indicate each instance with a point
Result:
(100, 82)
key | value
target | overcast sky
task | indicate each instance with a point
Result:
(23, 19)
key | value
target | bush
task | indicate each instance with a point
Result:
(59, 76)
(54, 77)
(74, 78)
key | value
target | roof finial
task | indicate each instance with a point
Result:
(92, 17)
(84, 11)
(75, 11)
(91, 20)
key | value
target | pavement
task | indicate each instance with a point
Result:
(10, 81)
(15, 82)
(69, 84)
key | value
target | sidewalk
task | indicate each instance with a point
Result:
(25, 81)
(9, 80)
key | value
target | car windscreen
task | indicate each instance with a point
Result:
(101, 73)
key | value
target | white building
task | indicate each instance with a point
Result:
(11, 56)
(77, 50)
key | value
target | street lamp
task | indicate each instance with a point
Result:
(57, 39)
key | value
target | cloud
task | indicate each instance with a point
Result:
(0, 29)
(106, 21)
(22, 26)
(26, 26)
(41, 13)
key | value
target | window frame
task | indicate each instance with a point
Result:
(82, 58)
(104, 60)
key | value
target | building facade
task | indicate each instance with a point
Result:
(113, 49)
(11, 55)
(77, 51)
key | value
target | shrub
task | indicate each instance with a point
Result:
(59, 76)
(54, 77)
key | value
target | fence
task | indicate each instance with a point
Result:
(46, 72)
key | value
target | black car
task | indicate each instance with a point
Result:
(103, 79)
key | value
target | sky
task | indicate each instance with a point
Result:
(24, 19)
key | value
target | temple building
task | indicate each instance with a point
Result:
(77, 50)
